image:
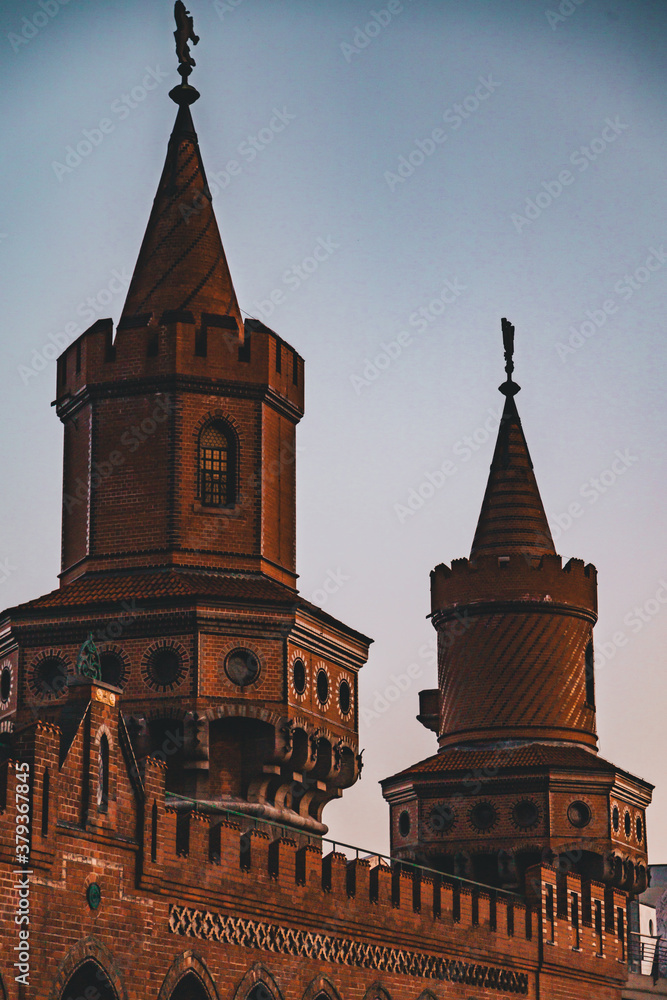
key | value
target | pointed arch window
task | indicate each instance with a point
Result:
(261, 991)
(217, 465)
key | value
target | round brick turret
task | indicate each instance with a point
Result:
(514, 625)
(513, 635)
(517, 779)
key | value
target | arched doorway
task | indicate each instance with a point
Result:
(90, 981)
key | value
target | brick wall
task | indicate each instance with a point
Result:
(195, 892)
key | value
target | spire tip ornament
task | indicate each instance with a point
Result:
(508, 388)
(185, 33)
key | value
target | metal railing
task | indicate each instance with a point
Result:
(359, 853)
(647, 955)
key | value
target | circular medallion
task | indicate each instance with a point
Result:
(93, 895)
(483, 816)
(113, 666)
(48, 676)
(441, 818)
(242, 667)
(164, 665)
(525, 814)
(579, 814)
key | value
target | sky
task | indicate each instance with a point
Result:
(458, 162)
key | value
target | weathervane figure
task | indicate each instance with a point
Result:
(509, 388)
(184, 33)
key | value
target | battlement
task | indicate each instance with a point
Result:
(219, 872)
(145, 350)
(197, 872)
(514, 578)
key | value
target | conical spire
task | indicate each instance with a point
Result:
(512, 520)
(182, 264)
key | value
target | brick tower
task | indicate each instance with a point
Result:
(517, 780)
(162, 785)
(178, 537)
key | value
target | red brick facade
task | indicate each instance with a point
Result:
(236, 907)
(161, 825)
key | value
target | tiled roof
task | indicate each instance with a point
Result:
(533, 755)
(512, 519)
(181, 264)
(104, 589)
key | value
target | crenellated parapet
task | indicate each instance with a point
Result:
(515, 622)
(515, 578)
(147, 352)
(201, 873)
(252, 884)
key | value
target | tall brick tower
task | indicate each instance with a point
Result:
(517, 780)
(178, 537)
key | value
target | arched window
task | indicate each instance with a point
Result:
(217, 466)
(103, 775)
(590, 674)
(261, 991)
(89, 980)
(190, 987)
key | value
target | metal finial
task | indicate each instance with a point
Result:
(185, 32)
(88, 662)
(508, 388)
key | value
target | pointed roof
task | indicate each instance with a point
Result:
(182, 265)
(512, 519)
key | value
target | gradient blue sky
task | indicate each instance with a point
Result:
(555, 85)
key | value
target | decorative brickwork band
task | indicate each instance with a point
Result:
(344, 951)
